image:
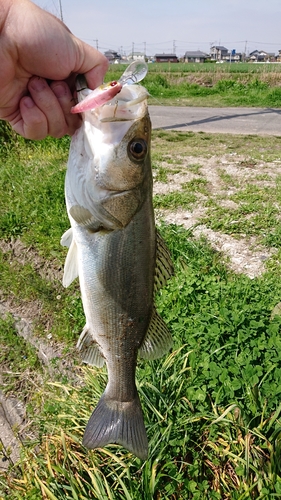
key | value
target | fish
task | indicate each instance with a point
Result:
(120, 258)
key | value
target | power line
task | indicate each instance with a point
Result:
(60, 6)
(178, 45)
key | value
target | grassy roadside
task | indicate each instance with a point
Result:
(212, 406)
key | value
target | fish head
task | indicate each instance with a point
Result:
(127, 173)
(115, 164)
(118, 136)
(121, 162)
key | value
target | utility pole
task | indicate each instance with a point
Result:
(60, 6)
(133, 47)
(245, 51)
(144, 49)
(97, 43)
(174, 46)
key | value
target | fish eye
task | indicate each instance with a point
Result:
(137, 148)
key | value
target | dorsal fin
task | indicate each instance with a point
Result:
(158, 339)
(164, 267)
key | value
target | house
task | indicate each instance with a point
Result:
(112, 56)
(197, 56)
(232, 56)
(218, 52)
(166, 58)
(261, 56)
(135, 56)
(278, 57)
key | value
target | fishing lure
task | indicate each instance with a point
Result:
(134, 73)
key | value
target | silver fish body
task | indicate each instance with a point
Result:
(119, 258)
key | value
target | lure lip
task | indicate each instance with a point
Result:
(98, 97)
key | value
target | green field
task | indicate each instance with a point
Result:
(212, 406)
(227, 68)
(242, 84)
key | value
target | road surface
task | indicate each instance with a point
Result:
(257, 121)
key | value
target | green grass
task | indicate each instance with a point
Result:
(196, 186)
(174, 200)
(24, 177)
(242, 84)
(233, 69)
(212, 405)
(32, 209)
(174, 144)
(18, 360)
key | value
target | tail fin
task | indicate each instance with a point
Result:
(117, 422)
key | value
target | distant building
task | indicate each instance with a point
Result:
(261, 56)
(232, 56)
(217, 52)
(195, 56)
(166, 58)
(112, 56)
(135, 56)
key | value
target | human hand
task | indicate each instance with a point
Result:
(40, 59)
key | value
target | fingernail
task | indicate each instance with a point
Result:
(28, 102)
(59, 90)
(38, 84)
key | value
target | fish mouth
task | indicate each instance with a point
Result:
(129, 105)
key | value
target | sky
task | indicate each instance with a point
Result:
(172, 26)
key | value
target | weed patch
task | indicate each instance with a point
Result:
(174, 200)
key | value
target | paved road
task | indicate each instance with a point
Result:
(258, 121)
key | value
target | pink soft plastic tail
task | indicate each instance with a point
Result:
(98, 97)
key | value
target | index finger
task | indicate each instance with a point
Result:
(93, 64)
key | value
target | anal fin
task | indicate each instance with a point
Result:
(89, 349)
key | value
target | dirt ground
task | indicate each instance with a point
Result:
(244, 254)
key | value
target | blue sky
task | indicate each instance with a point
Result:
(164, 25)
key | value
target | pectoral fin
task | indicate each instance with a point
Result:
(158, 339)
(83, 217)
